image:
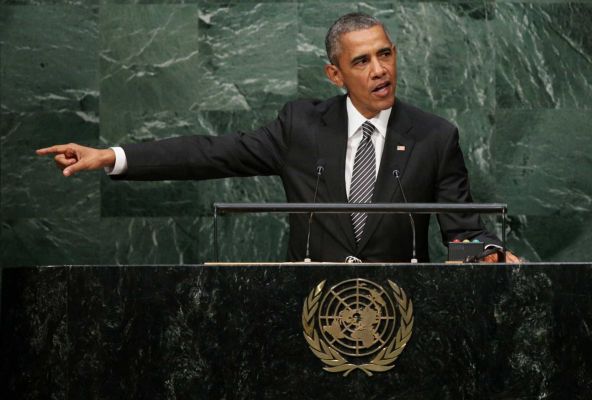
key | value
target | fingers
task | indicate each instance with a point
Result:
(70, 158)
(69, 165)
(512, 258)
(75, 167)
(491, 258)
(63, 161)
(57, 149)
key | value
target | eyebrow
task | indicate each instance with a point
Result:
(359, 58)
(363, 56)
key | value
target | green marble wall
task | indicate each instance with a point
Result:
(515, 76)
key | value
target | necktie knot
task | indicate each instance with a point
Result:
(367, 130)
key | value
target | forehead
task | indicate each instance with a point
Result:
(364, 41)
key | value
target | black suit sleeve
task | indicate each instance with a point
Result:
(452, 186)
(209, 157)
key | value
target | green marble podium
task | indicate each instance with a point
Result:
(235, 332)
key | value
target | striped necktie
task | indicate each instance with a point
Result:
(363, 178)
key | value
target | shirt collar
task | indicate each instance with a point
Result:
(355, 120)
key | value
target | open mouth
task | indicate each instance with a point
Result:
(381, 88)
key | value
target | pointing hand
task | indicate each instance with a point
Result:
(72, 157)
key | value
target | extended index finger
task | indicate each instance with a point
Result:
(57, 149)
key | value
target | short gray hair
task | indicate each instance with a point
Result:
(347, 23)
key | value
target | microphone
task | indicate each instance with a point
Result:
(397, 177)
(320, 169)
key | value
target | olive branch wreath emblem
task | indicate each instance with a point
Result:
(333, 360)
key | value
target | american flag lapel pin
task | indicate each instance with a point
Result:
(400, 148)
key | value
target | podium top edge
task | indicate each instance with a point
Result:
(301, 264)
(418, 208)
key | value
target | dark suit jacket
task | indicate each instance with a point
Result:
(431, 166)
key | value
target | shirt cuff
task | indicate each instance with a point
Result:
(120, 166)
(493, 246)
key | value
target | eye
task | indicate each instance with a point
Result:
(360, 61)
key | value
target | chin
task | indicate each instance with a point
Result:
(386, 104)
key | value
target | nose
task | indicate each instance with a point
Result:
(377, 69)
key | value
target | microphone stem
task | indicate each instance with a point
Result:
(414, 258)
(314, 200)
(414, 254)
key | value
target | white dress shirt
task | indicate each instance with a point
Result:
(120, 165)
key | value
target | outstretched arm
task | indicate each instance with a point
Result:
(72, 158)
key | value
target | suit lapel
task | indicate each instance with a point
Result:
(397, 150)
(332, 148)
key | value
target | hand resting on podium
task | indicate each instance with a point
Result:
(511, 258)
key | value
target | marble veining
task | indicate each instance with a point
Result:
(514, 76)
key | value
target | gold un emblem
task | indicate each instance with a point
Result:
(354, 325)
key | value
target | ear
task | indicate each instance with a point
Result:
(334, 74)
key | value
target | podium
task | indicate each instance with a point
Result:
(236, 332)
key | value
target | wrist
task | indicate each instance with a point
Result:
(107, 158)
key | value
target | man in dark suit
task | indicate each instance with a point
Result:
(360, 139)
